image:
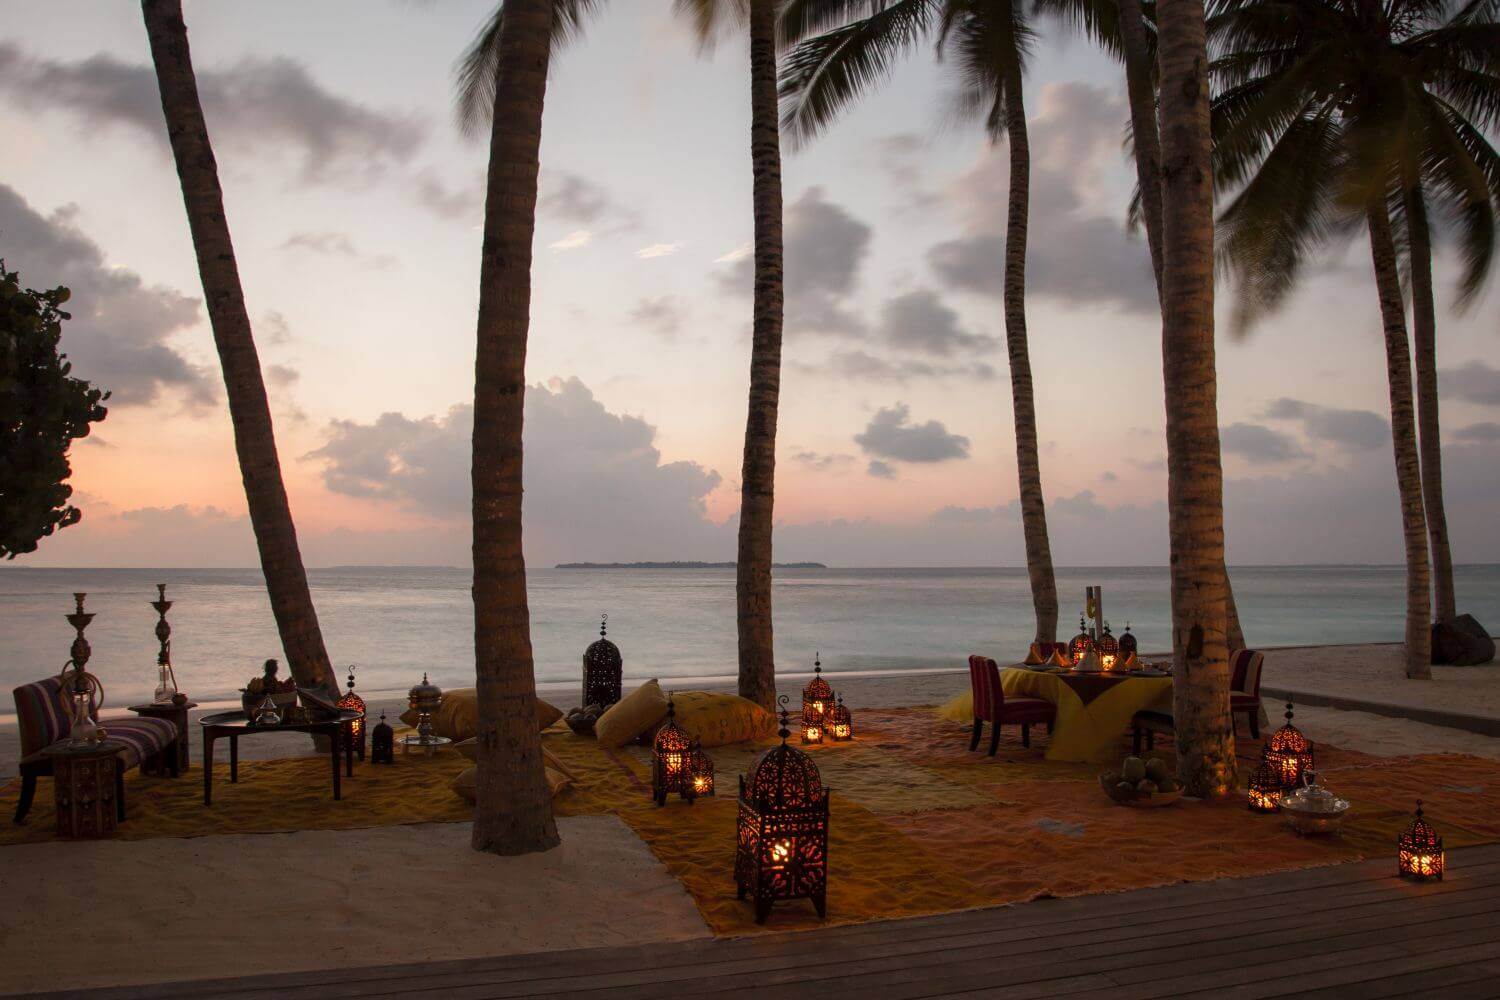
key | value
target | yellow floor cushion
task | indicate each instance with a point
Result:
(463, 785)
(632, 715)
(720, 719)
(457, 716)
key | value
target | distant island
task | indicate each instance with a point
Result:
(682, 565)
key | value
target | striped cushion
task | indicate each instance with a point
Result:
(143, 737)
(41, 714)
(1244, 677)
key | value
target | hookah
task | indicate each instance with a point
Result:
(83, 694)
(166, 677)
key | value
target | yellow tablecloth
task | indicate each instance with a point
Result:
(1083, 732)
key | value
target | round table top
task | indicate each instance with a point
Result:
(1088, 685)
(163, 707)
(239, 720)
(103, 747)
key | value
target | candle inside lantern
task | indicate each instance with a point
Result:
(781, 852)
(701, 784)
(673, 762)
(813, 735)
(841, 731)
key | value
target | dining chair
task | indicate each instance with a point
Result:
(991, 705)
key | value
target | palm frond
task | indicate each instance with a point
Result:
(1096, 20)
(802, 19)
(1464, 191)
(710, 18)
(990, 43)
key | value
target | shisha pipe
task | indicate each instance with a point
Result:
(83, 692)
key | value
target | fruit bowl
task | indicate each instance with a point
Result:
(1110, 781)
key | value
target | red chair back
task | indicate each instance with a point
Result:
(1244, 675)
(984, 681)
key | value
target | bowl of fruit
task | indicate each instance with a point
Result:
(1141, 783)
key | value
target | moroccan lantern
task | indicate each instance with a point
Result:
(1420, 851)
(1290, 752)
(840, 723)
(383, 743)
(781, 848)
(817, 703)
(1128, 645)
(671, 760)
(424, 699)
(700, 771)
(602, 667)
(1081, 645)
(1109, 649)
(1264, 792)
(354, 731)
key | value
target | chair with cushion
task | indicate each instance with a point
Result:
(42, 716)
(991, 705)
(1244, 687)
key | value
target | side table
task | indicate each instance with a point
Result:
(178, 716)
(87, 789)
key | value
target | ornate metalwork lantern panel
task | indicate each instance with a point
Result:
(671, 760)
(700, 771)
(1109, 649)
(1264, 793)
(1290, 752)
(840, 723)
(602, 669)
(1081, 645)
(1128, 645)
(354, 732)
(781, 849)
(383, 743)
(817, 703)
(1420, 851)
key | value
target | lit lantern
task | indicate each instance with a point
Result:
(1128, 645)
(817, 704)
(1420, 853)
(1081, 645)
(354, 732)
(840, 723)
(1264, 793)
(602, 667)
(1290, 752)
(781, 849)
(1109, 649)
(383, 743)
(701, 771)
(671, 754)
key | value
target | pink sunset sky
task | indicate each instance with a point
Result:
(356, 205)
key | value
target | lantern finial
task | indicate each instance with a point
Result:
(603, 622)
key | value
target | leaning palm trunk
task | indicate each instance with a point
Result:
(1424, 329)
(1195, 477)
(758, 475)
(1146, 144)
(1023, 399)
(1403, 442)
(249, 412)
(513, 809)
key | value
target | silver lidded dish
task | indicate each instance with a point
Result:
(1313, 809)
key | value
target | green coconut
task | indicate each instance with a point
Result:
(1125, 789)
(1156, 769)
(1133, 769)
(1168, 785)
(1146, 787)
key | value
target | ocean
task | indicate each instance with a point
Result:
(395, 623)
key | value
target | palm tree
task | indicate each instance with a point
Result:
(1331, 114)
(249, 412)
(752, 585)
(502, 81)
(840, 57)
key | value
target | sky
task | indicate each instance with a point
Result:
(356, 205)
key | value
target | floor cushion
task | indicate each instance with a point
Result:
(457, 715)
(464, 784)
(720, 719)
(632, 715)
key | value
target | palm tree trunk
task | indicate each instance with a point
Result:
(1146, 143)
(249, 411)
(513, 808)
(1403, 442)
(758, 475)
(1195, 476)
(1023, 400)
(1424, 329)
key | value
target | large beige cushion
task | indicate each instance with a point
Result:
(463, 785)
(457, 716)
(632, 715)
(720, 719)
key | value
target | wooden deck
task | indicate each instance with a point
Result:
(1349, 931)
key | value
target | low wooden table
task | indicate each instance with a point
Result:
(178, 716)
(86, 789)
(236, 724)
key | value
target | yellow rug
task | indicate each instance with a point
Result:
(919, 823)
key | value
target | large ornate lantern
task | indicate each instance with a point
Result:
(166, 679)
(1290, 752)
(602, 667)
(383, 743)
(700, 771)
(817, 703)
(354, 732)
(840, 723)
(1081, 645)
(1108, 648)
(1264, 793)
(1128, 645)
(781, 849)
(424, 699)
(1420, 851)
(671, 760)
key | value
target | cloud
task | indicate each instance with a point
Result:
(596, 486)
(571, 197)
(261, 106)
(577, 238)
(880, 470)
(819, 461)
(825, 247)
(890, 434)
(121, 332)
(868, 367)
(282, 375)
(1475, 382)
(1481, 433)
(663, 316)
(659, 250)
(1357, 429)
(739, 253)
(332, 244)
(1076, 254)
(918, 321)
(434, 194)
(904, 158)
(275, 328)
(1260, 445)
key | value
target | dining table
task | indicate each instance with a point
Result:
(1094, 709)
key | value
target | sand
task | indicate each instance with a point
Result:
(213, 907)
(1377, 673)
